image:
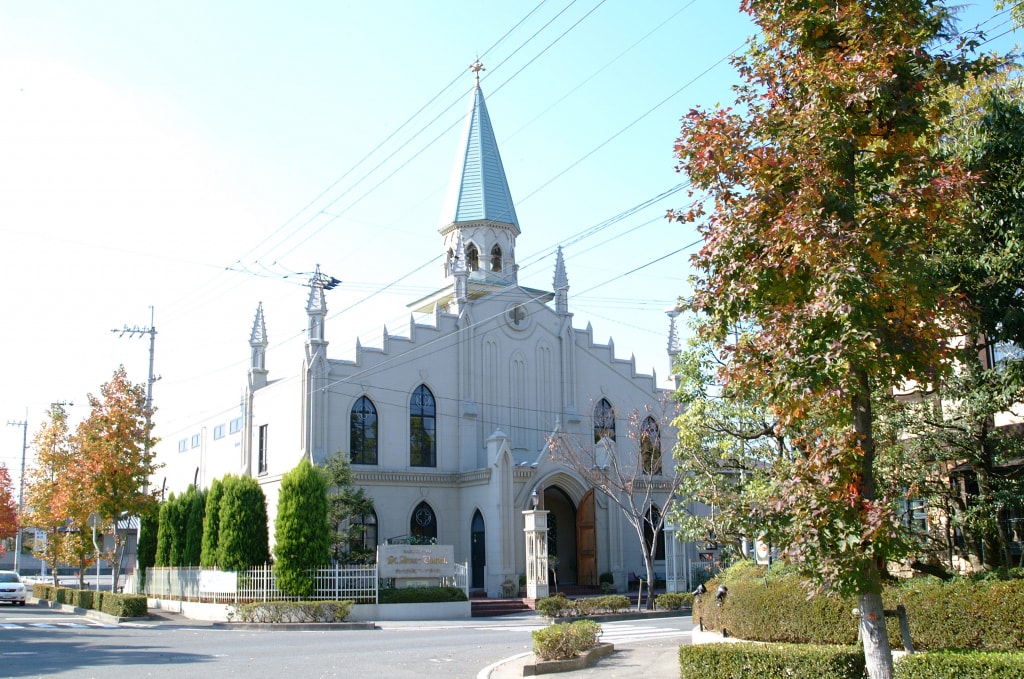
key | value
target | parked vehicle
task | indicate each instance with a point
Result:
(12, 589)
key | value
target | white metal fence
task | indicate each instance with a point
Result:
(354, 583)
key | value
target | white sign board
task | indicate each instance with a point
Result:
(218, 582)
(416, 562)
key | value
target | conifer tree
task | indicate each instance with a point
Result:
(211, 525)
(243, 540)
(301, 533)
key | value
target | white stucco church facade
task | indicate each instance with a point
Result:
(447, 429)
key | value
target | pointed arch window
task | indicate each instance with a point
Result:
(604, 420)
(496, 258)
(448, 262)
(362, 538)
(651, 520)
(363, 432)
(650, 446)
(423, 525)
(422, 428)
(472, 257)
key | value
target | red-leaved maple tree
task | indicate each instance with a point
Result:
(825, 197)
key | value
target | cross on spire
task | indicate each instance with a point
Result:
(476, 67)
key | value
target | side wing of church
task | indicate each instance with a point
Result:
(448, 429)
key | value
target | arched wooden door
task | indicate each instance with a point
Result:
(586, 541)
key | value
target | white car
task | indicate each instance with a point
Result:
(12, 588)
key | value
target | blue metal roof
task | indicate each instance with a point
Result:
(479, 190)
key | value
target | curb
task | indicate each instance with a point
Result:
(612, 617)
(579, 663)
(86, 612)
(296, 626)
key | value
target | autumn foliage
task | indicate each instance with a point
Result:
(821, 199)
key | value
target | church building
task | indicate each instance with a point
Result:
(448, 429)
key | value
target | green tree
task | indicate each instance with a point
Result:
(982, 258)
(149, 531)
(164, 533)
(211, 526)
(243, 539)
(194, 514)
(827, 196)
(176, 530)
(116, 444)
(301, 533)
(730, 451)
(346, 504)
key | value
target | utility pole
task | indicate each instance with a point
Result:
(151, 331)
(133, 332)
(21, 487)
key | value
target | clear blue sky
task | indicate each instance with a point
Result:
(202, 157)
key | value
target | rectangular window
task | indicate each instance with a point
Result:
(182, 445)
(196, 438)
(218, 432)
(263, 449)
(236, 425)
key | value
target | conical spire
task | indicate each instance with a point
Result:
(478, 189)
(258, 337)
(561, 284)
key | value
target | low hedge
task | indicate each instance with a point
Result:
(726, 661)
(778, 612)
(962, 614)
(559, 606)
(111, 603)
(124, 605)
(421, 595)
(974, 665)
(673, 601)
(292, 611)
(562, 642)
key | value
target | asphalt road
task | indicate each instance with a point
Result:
(38, 642)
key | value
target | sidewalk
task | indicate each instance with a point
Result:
(655, 659)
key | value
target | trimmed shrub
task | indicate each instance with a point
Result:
(961, 614)
(124, 605)
(778, 611)
(81, 598)
(555, 606)
(292, 611)
(793, 661)
(673, 601)
(610, 603)
(960, 665)
(561, 642)
(42, 591)
(421, 595)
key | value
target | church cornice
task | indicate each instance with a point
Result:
(479, 224)
(436, 479)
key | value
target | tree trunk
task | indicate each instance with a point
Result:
(115, 566)
(875, 636)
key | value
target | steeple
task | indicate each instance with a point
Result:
(561, 284)
(316, 307)
(479, 203)
(258, 344)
